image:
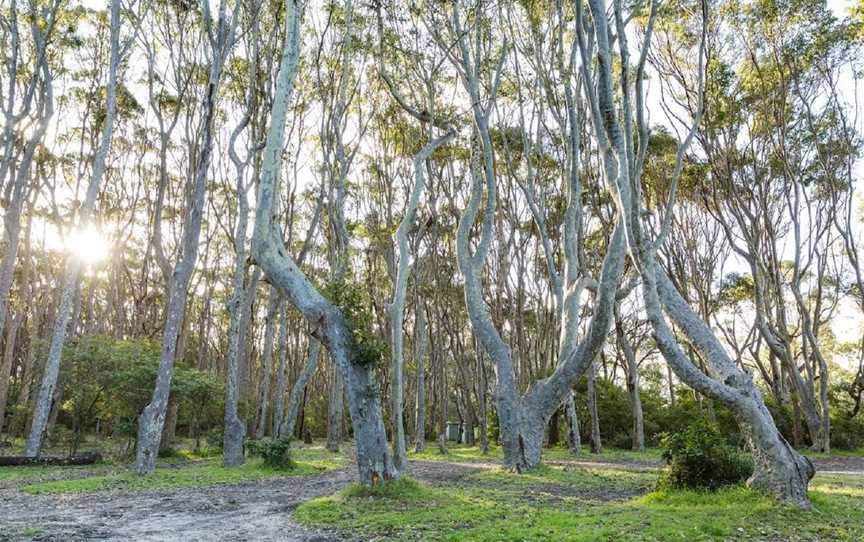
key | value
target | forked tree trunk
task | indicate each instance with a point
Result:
(328, 323)
(778, 468)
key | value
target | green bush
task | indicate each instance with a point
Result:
(275, 453)
(846, 433)
(699, 457)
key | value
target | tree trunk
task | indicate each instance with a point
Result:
(638, 432)
(778, 468)
(267, 364)
(152, 419)
(6, 364)
(335, 410)
(419, 361)
(169, 431)
(328, 323)
(286, 430)
(281, 374)
(591, 396)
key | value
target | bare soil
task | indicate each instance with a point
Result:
(259, 511)
(248, 511)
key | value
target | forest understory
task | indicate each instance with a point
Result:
(463, 495)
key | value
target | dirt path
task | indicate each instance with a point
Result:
(248, 511)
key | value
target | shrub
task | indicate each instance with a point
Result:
(846, 433)
(275, 453)
(699, 457)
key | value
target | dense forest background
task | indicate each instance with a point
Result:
(135, 140)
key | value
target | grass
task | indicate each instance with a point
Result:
(472, 454)
(171, 474)
(581, 504)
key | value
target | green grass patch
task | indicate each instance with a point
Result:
(500, 506)
(472, 454)
(190, 474)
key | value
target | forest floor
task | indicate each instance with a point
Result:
(461, 496)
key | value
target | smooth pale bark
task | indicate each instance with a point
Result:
(335, 410)
(267, 364)
(74, 266)
(286, 429)
(239, 307)
(235, 428)
(419, 361)
(523, 419)
(778, 469)
(281, 372)
(396, 309)
(632, 370)
(152, 419)
(591, 397)
(327, 321)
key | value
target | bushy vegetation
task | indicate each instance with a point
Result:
(109, 382)
(275, 453)
(698, 457)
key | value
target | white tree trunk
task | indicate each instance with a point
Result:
(73, 266)
(328, 323)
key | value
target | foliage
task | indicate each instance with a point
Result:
(112, 380)
(700, 458)
(275, 453)
(354, 302)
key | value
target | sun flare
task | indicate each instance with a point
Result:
(88, 244)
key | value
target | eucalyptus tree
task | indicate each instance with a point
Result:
(220, 38)
(28, 108)
(522, 418)
(235, 429)
(769, 190)
(338, 89)
(622, 135)
(423, 73)
(72, 276)
(327, 320)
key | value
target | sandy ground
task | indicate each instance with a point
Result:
(259, 511)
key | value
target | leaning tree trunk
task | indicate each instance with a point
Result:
(327, 321)
(778, 468)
